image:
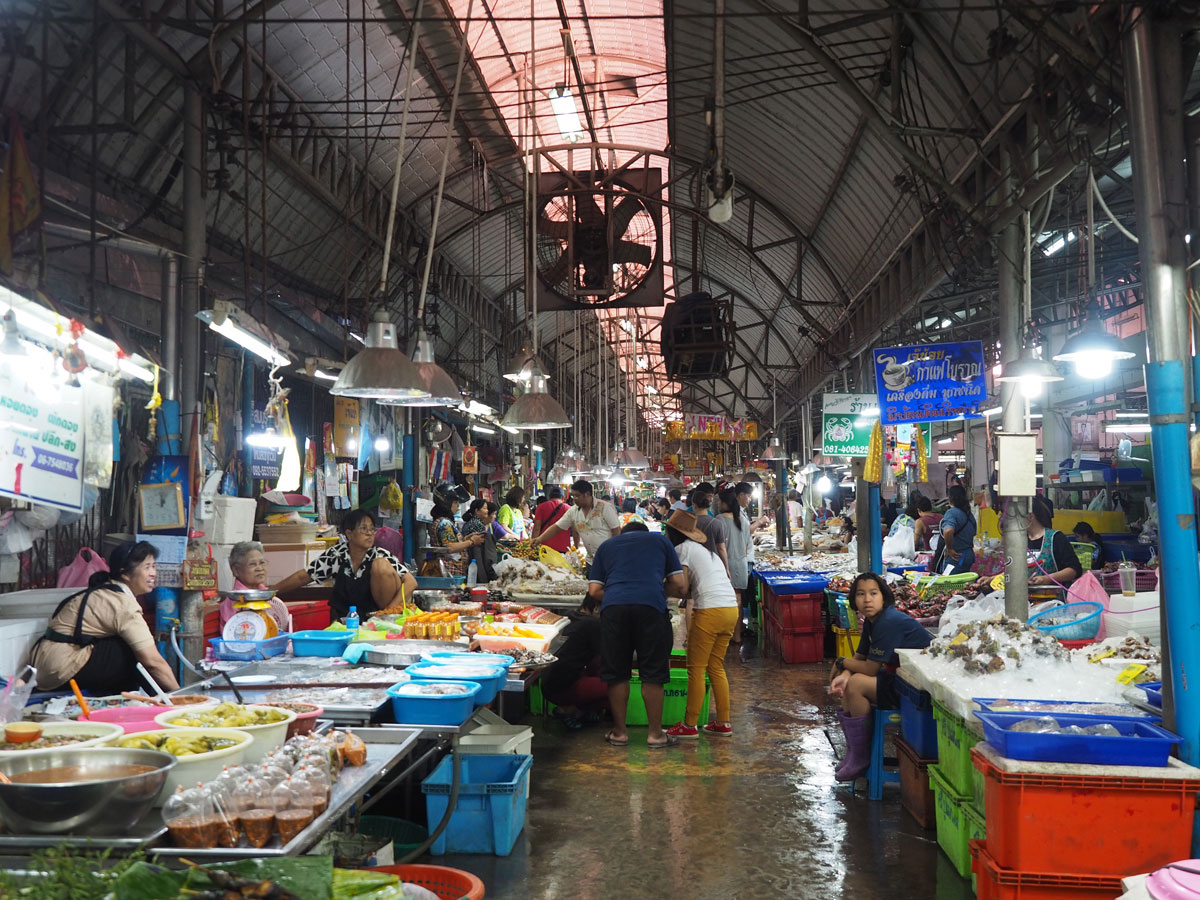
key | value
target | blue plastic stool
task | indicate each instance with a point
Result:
(877, 775)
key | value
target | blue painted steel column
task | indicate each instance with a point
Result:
(1166, 390)
(874, 529)
(410, 503)
(246, 488)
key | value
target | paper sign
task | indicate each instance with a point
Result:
(41, 439)
(930, 383)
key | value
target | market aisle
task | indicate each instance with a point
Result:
(754, 817)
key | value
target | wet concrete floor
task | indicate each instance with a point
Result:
(755, 816)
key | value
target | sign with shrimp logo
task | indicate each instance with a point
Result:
(930, 383)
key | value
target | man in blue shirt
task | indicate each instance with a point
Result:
(630, 579)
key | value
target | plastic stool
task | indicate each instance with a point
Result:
(877, 775)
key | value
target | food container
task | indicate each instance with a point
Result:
(131, 718)
(304, 721)
(101, 805)
(320, 643)
(94, 734)
(469, 624)
(265, 738)
(412, 705)
(444, 656)
(202, 767)
(490, 678)
(248, 651)
(1139, 744)
(404, 652)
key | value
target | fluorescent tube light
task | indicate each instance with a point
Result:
(1131, 428)
(482, 429)
(1132, 415)
(222, 319)
(562, 101)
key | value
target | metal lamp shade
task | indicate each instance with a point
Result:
(439, 386)
(1092, 341)
(1029, 369)
(380, 371)
(773, 451)
(516, 369)
(632, 458)
(536, 410)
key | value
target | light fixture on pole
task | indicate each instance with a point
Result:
(1030, 373)
(536, 409)
(380, 371)
(1094, 350)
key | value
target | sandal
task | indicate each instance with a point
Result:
(616, 742)
(671, 741)
(570, 722)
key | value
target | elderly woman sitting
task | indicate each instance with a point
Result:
(248, 563)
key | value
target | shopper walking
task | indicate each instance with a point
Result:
(869, 677)
(958, 535)
(714, 616)
(713, 528)
(547, 514)
(630, 578)
(740, 547)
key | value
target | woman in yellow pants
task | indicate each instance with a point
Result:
(714, 616)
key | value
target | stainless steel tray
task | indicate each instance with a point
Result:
(405, 653)
(144, 832)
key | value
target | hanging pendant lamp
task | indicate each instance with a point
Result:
(536, 409)
(773, 451)
(380, 371)
(516, 370)
(439, 386)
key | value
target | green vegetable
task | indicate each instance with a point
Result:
(68, 875)
(308, 877)
(360, 883)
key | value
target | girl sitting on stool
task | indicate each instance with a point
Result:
(869, 678)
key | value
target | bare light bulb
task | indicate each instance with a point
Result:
(824, 485)
(382, 445)
(1093, 366)
(1031, 387)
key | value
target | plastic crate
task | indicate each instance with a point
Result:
(952, 825)
(248, 651)
(916, 720)
(795, 645)
(1140, 744)
(309, 615)
(1041, 819)
(405, 836)
(674, 700)
(1145, 580)
(320, 643)
(846, 641)
(916, 796)
(976, 830)
(995, 883)
(490, 812)
(449, 709)
(1066, 707)
(1153, 691)
(955, 741)
(1084, 624)
(798, 612)
(795, 582)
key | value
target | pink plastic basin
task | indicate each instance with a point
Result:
(1175, 884)
(132, 718)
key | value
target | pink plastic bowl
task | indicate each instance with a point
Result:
(132, 718)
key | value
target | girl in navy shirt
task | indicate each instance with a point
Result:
(869, 678)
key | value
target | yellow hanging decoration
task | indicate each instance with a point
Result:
(922, 462)
(874, 468)
(153, 406)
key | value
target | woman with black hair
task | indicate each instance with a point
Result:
(714, 615)
(364, 576)
(869, 677)
(510, 515)
(98, 636)
(444, 533)
(1086, 534)
(478, 521)
(1057, 562)
(958, 535)
(740, 548)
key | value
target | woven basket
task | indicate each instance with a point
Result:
(1147, 580)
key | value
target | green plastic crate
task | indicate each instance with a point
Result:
(955, 741)
(674, 700)
(976, 831)
(978, 784)
(953, 823)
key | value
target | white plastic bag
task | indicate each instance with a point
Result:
(900, 543)
(38, 518)
(960, 611)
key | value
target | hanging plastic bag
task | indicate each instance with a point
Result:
(77, 572)
(961, 611)
(38, 518)
(1088, 589)
(15, 538)
(391, 498)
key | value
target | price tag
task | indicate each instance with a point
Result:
(1131, 673)
(959, 639)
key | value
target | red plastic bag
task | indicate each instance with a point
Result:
(391, 540)
(1089, 589)
(79, 570)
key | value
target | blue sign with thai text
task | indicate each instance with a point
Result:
(930, 383)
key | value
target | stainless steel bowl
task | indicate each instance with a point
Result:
(246, 596)
(403, 653)
(81, 807)
(425, 597)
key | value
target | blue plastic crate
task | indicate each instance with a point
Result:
(1140, 743)
(490, 812)
(489, 684)
(992, 704)
(450, 709)
(248, 651)
(1153, 691)
(320, 643)
(917, 726)
(444, 656)
(784, 583)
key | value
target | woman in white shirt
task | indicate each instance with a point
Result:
(714, 616)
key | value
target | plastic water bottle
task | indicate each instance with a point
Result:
(352, 619)
(472, 573)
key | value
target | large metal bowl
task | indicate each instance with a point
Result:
(111, 806)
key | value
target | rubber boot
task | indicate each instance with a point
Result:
(858, 747)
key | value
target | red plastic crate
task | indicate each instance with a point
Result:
(795, 646)
(309, 615)
(798, 612)
(996, 883)
(916, 796)
(1085, 824)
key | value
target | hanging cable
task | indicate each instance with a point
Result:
(1108, 212)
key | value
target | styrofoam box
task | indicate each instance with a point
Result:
(1119, 603)
(232, 521)
(284, 559)
(35, 603)
(503, 738)
(16, 637)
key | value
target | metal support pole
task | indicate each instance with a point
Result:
(862, 509)
(191, 603)
(407, 481)
(1193, 155)
(1012, 509)
(874, 529)
(1154, 91)
(192, 280)
(169, 327)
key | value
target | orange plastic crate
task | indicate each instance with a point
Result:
(996, 883)
(1085, 824)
